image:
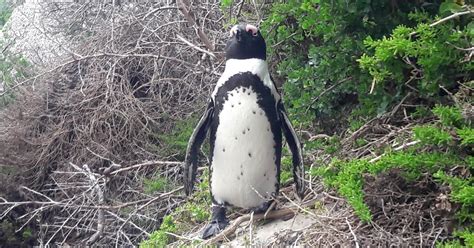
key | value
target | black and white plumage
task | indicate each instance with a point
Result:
(245, 118)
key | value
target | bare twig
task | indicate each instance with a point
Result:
(147, 163)
(448, 18)
(353, 234)
(100, 200)
(195, 47)
(184, 7)
(412, 143)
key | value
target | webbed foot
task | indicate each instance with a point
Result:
(213, 228)
(263, 207)
(218, 222)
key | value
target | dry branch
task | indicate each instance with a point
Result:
(125, 82)
(447, 18)
(185, 8)
(399, 148)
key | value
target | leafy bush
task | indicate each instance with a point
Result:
(160, 238)
(467, 136)
(351, 61)
(448, 115)
(432, 135)
(13, 66)
(317, 43)
(440, 162)
(158, 183)
(462, 192)
(175, 143)
(347, 176)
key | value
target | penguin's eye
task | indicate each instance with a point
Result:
(253, 33)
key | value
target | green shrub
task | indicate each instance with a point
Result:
(184, 217)
(347, 176)
(320, 42)
(5, 12)
(432, 135)
(158, 183)
(160, 238)
(467, 136)
(286, 170)
(462, 192)
(11, 66)
(346, 62)
(448, 115)
(175, 142)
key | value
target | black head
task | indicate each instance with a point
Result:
(246, 42)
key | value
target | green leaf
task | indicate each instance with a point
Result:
(470, 29)
(467, 136)
(449, 7)
(226, 3)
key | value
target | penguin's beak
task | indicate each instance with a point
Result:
(237, 32)
(243, 32)
(238, 35)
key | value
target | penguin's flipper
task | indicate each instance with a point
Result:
(295, 147)
(194, 145)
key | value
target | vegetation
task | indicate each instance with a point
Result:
(394, 56)
(347, 176)
(320, 42)
(380, 90)
(185, 217)
(5, 12)
(13, 66)
(365, 59)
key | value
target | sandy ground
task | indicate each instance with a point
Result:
(264, 234)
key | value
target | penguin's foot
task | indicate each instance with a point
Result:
(214, 227)
(263, 207)
(218, 222)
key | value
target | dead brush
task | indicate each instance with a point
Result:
(99, 112)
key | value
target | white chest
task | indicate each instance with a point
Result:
(244, 171)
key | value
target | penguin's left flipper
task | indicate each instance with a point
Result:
(194, 145)
(295, 147)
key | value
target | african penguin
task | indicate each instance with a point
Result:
(245, 118)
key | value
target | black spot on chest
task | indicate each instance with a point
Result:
(248, 82)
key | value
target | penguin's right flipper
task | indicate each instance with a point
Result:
(295, 147)
(194, 145)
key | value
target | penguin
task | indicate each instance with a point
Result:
(245, 118)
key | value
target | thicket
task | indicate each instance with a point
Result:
(389, 81)
(350, 67)
(83, 154)
(363, 65)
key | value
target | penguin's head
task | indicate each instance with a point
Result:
(245, 42)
